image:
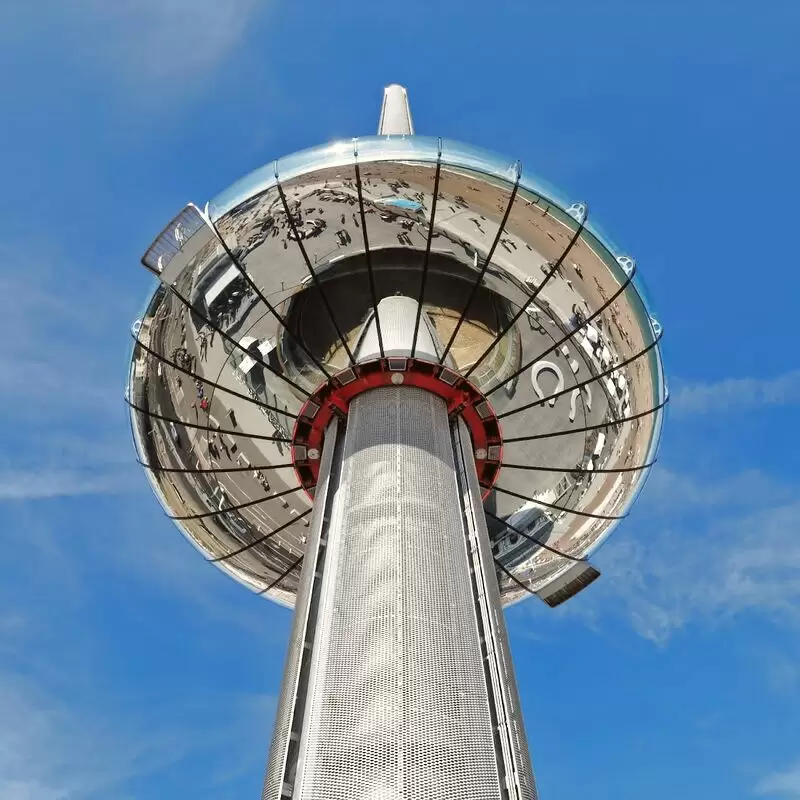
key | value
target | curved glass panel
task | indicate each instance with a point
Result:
(397, 148)
(615, 250)
(542, 320)
(379, 148)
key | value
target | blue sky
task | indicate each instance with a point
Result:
(131, 670)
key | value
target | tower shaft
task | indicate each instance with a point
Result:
(399, 681)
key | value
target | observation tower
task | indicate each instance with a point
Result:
(396, 383)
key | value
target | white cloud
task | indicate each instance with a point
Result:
(48, 483)
(679, 493)
(66, 435)
(785, 784)
(172, 39)
(703, 551)
(163, 46)
(735, 567)
(737, 394)
(50, 750)
(63, 406)
(56, 330)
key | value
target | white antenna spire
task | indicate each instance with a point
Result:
(395, 113)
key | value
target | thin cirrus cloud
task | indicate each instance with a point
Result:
(709, 573)
(44, 483)
(149, 44)
(704, 548)
(174, 39)
(702, 552)
(679, 493)
(59, 358)
(737, 394)
(51, 749)
(62, 379)
(784, 783)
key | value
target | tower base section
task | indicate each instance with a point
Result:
(398, 682)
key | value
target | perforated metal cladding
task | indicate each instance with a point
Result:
(508, 682)
(516, 724)
(273, 783)
(398, 704)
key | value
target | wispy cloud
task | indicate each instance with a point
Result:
(66, 436)
(704, 551)
(49, 483)
(51, 750)
(677, 493)
(705, 547)
(171, 40)
(57, 357)
(163, 46)
(62, 402)
(784, 784)
(737, 394)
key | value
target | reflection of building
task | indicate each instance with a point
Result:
(397, 435)
(221, 290)
(512, 544)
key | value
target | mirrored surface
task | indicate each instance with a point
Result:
(526, 298)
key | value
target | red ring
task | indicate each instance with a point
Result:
(333, 398)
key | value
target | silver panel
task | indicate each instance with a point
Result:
(508, 707)
(278, 762)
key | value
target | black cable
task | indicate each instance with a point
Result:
(243, 272)
(236, 344)
(497, 488)
(566, 338)
(583, 383)
(199, 377)
(531, 298)
(609, 424)
(208, 427)
(199, 471)
(368, 254)
(282, 575)
(236, 508)
(527, 536)
(580, 470)
(276, 423)
(425, 262)
(513, 577)
(312, 272)
(261, 538)
(485, 266)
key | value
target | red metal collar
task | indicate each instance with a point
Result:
(333, 399)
